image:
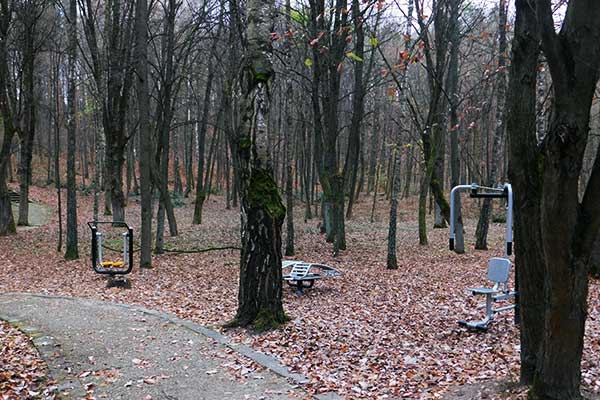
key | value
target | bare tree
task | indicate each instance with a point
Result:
(392, 262)
(71, 252)
(111, 64)
(146, 151)
(484, 216)
(7, 223)
(553, 263)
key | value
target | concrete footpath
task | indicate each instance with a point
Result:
(117, 351)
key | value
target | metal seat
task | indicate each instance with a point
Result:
(498, 273)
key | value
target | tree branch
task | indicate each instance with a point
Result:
(551, 44)
(193, 251)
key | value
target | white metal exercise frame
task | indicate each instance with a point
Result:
(504, 192)
(498, 268)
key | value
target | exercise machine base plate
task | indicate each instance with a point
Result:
(473, 325)
(118, 281)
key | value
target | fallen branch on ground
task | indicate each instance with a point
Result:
(176, 251)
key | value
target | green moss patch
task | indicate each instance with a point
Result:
(263, 193)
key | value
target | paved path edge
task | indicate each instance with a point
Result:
(269, 362)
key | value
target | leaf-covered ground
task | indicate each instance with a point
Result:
(23, 374)
(371, 333)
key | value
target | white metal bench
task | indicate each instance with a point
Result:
(498, 273)
(303, 275)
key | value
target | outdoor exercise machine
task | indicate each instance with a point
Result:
(498, 267)
(115, 269)
(303, 275)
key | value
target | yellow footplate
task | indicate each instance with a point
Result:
(112, 264)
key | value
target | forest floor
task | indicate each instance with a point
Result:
(371, 333)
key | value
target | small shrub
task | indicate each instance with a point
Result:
(177, 200)
(499, 217)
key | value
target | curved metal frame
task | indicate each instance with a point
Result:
(504, 192)
(94, 228)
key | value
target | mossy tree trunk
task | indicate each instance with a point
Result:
(262, 212)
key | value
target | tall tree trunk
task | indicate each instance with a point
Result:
(129, 169)
(375, 186)
(161, 179)
(325, 98)
(567, 245)
(167, 94)
(289, 178)
(7, 223)
(433, 136)
(262, 212)
(410, 160)
(178, 185)
(146, 151)
(392, 262)
(358, 100)
(523, 172)
(361, 178)
(113, 77)
(459, 241)
(423, 192)
(227, 179)
(28, 131)
(200, 190)
(115, 160)
(189, 146)
(97, 173)
(374, 145)
(72, 251)
(57, 101)
(160, 229)
(289, 190)
(308, 165)
(484, 216)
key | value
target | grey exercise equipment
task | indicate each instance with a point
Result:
(498, 268)
(117, 269)
(303, 275)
